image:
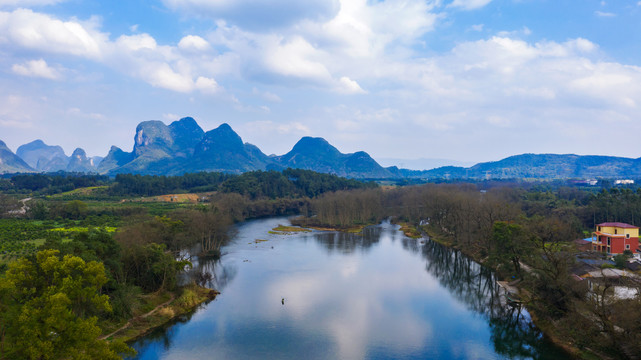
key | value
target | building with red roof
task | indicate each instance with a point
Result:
(615, 238)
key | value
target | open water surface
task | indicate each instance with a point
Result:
(376, 295)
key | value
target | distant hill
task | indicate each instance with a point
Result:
(221, 149)
(10, 162)
(421, 163)
(78, 162)
(184, 147)
(546, 166)
(319, 155)
(43, 157)
(52, 158)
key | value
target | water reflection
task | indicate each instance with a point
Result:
(347, 243)
(212, 273)
(512, 332)
(373, 295)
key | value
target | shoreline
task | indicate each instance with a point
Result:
(546, 328)
(191, 297)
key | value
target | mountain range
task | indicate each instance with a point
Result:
(183, 147)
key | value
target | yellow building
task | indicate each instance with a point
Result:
(615, 238)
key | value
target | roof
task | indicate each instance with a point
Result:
(610, 235)
(608, 273)
(618, 224)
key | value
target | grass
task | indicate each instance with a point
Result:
(86, 191)
(79, 229)
(189, 298)
(410, 231)
(288, 229)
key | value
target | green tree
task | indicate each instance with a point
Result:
(508, 245)
(75, 210)
(48, 308)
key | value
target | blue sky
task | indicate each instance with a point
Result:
(468, 80)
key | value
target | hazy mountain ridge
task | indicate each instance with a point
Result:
(51, 158)
(546, 166)
(183, 146)
(10, 162)
(43, 157)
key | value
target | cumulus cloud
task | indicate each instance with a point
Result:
(36, 68)
(206, 85)
(193, 43)
(356, 47)
(137, 55)
(349, 86)
(329, 54)
(37, 31)
(136, 42)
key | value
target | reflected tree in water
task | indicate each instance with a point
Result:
(475, 286)
(213, 273)
(346, 243)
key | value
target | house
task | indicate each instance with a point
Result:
(615, 238)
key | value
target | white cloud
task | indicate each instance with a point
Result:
(349, 86)
(206, 85)
(331, 53)
(193, 43)
(137, 42)
(162, 75)
(36, 68)
(604, 14)
(478, 27)
(138, 55)
(469, 4)
(36, 31)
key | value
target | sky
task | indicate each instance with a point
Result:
(466, 80)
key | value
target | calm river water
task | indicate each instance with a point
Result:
(328, 295)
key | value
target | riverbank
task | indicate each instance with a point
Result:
(543, 323)
(165, 307)
(304, 223)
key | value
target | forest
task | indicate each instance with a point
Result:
(256, 184)
(85, 254)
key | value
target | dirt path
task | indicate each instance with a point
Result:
(128, 324)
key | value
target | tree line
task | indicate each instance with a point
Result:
(527, 235)
(255, 184)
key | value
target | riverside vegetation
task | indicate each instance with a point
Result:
(525, 233)
(85, 256)
(89, 256)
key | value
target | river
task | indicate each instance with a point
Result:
(331, 295)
